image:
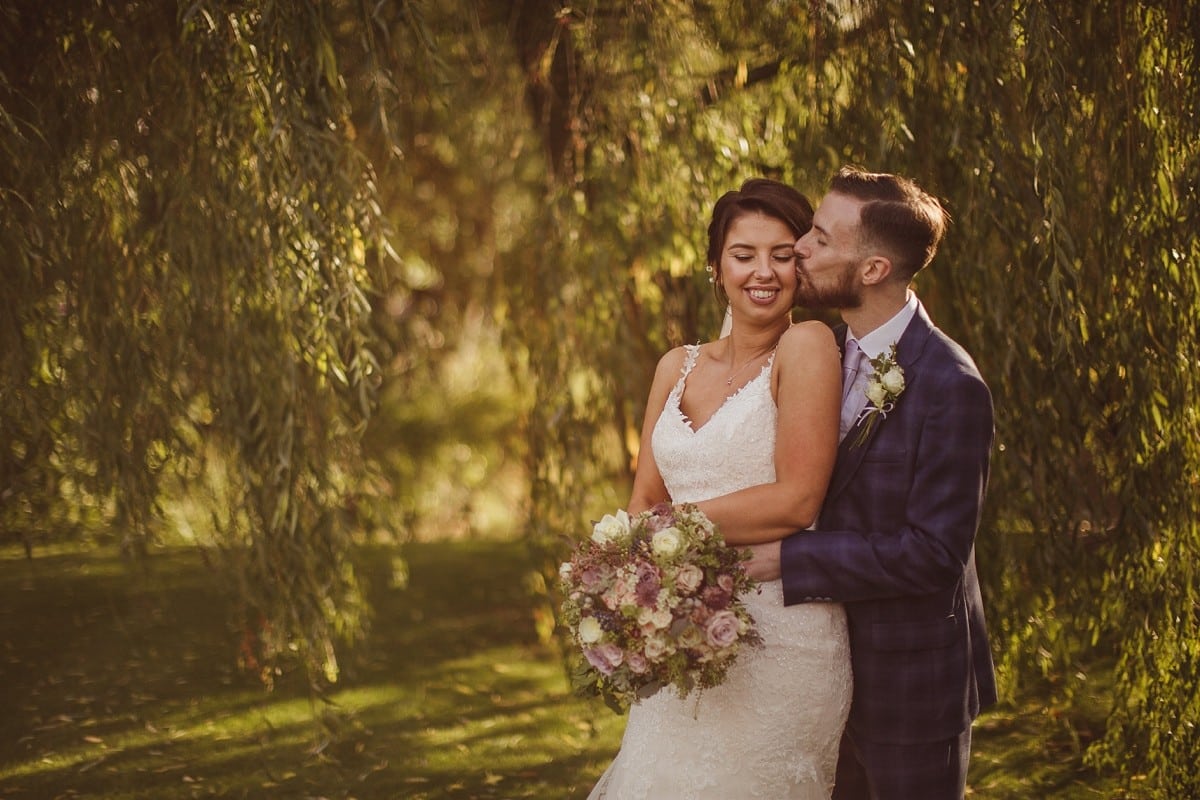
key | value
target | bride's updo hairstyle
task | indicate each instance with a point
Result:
(757, 195)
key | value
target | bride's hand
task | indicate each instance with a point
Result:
(764, 561)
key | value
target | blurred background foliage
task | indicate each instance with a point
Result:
(281, 278)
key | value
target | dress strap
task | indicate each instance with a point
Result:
(691, 352)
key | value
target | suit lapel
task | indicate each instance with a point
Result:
(908, 352)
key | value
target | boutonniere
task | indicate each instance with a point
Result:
(885, 385)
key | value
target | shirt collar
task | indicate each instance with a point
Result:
(882, 338)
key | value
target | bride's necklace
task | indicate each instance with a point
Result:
(748, 362)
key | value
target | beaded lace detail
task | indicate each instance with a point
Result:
(772, 729)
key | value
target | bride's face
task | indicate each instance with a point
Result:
(758, 266)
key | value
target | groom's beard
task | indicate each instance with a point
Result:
(843, 292)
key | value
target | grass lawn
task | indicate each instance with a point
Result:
(120, 682)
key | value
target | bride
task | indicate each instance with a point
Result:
(758, 408)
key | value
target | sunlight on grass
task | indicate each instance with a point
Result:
(201, 726)
(135, 694)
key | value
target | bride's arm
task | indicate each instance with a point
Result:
(648, 486)
(809, 399)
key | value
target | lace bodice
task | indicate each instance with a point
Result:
(772, 729)
(734, 449)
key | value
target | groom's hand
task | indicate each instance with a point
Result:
(764, 561)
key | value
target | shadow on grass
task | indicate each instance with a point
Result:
(120, 682)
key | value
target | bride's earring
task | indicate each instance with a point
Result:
(709, 270)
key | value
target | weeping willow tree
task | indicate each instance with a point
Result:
(197, 196)
(1065, 143)
(192, 236)
(1071, 168)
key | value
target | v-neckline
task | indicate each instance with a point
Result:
(687, 421)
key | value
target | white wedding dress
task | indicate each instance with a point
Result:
(772, 729)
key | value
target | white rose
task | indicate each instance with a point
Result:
(610, 527)
(876, 394)
(667, 542)
(691, 636)
(590, 630)
(893, 381)
(655, 648)
(661, 618)
(564, 572)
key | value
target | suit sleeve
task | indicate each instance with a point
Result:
(920, 516)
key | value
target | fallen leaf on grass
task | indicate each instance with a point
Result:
(93, 764)
(55, 722)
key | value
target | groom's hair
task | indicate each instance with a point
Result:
(758, 195)
(897, 216)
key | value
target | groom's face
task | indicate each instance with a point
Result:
(828, 257)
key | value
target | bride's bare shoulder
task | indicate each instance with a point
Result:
(670, 365)
(673, 358)
(807, 337)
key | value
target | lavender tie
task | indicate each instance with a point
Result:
(851, 365)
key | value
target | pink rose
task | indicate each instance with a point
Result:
(725, 581)
(611, 599)
(689, 578)
(722, 629)
(654, 619)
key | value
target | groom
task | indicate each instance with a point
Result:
(896, 537)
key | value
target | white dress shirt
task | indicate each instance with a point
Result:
(872, 345)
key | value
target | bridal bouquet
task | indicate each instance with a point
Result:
(653, 600)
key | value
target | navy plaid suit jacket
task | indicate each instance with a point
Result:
(896, 543)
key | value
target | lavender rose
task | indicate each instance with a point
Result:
(723, 629)
(591, 580)
(606, 657)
